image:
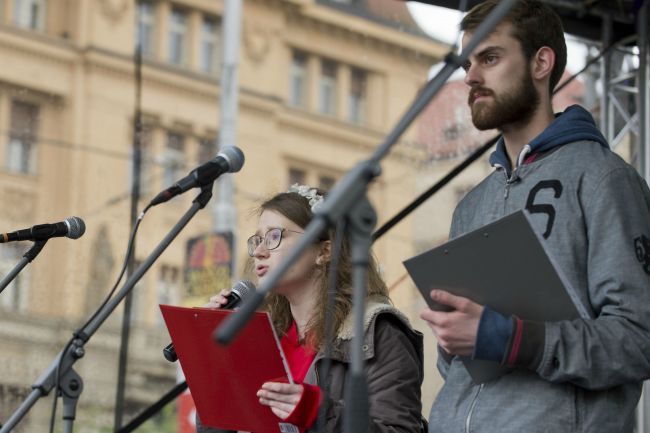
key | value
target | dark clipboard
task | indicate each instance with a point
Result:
(223, 380)
(503, 265)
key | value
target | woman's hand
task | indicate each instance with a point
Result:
(282, 398)
(218, 301)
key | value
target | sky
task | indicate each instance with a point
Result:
(442, 24)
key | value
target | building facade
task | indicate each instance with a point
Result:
(321, 84)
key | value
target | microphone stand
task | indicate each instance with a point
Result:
(27, 258)
(71, 384)
(348, 200)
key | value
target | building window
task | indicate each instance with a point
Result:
(297, 176)
(30, 14)
(168, 289)
(327, 87)
(174, 158)
(21, 150)
(298, 84)
(358, 96)
(14, 296)
(145, 22)
(326, 182)
(209, 46)
(177, 37)
(207, 150)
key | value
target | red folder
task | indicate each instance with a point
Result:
(224, 380)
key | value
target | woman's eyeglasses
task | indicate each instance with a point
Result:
(271, 240)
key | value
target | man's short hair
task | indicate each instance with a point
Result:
(534, 25)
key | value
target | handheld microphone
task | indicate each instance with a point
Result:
(238, 294)
(229, 160)
(72, 227)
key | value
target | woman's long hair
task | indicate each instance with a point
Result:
(296, 208)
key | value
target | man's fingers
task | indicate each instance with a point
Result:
(446, 298)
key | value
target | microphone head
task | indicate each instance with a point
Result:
(243, 289)
(76, 227)
(235, 158)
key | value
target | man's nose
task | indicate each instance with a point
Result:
(473, 76)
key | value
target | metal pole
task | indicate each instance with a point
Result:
(644, 94)
(643, 408)
(605, 76)
(135, 198)
(224, 210)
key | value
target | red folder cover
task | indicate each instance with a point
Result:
(224, 380)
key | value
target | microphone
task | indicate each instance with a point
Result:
(240, 291)
(229, 160)
(72, 227)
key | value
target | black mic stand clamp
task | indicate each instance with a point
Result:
(70, 387)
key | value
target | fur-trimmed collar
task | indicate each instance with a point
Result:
(375, 305)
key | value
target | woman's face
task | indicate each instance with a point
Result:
(303, 270)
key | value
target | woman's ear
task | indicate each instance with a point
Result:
(325, 253)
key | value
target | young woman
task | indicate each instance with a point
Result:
(392, 349)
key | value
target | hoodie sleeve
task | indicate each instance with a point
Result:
(614, 347)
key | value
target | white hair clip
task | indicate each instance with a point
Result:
(311, 194)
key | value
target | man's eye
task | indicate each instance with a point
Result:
(490, 58)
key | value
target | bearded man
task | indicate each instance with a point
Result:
(593, 211)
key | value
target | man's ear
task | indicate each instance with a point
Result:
(325, 253)
(543, 63)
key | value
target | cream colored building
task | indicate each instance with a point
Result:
(321, 84)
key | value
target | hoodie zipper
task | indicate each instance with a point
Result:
(514, 176)
(468, 420)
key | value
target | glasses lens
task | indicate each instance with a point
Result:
(253, 242)
(272, 238)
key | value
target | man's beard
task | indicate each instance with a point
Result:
(512, 106)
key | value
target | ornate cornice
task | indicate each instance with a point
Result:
(114, 10)
(310, 15)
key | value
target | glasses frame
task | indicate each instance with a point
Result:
(262, 240)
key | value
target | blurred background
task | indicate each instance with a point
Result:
(104, 103)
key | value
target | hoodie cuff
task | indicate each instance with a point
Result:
(494, 333)
(526, 346)
(306, 411)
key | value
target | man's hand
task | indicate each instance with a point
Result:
(282, 398)
(455, 330)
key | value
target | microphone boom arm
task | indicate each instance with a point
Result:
(27, 258)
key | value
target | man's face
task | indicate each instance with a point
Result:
(502, 91)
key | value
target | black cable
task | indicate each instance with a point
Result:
(153, 409)
(428, 193)
(77, 334)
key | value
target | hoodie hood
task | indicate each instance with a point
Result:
(574, 124)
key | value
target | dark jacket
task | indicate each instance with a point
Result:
(393, 356)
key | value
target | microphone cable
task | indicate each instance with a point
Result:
(77, 334)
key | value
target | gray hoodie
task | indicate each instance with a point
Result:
(593, 210)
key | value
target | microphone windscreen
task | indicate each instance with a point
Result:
(243, 289)
(234, 156)
(76, 227)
